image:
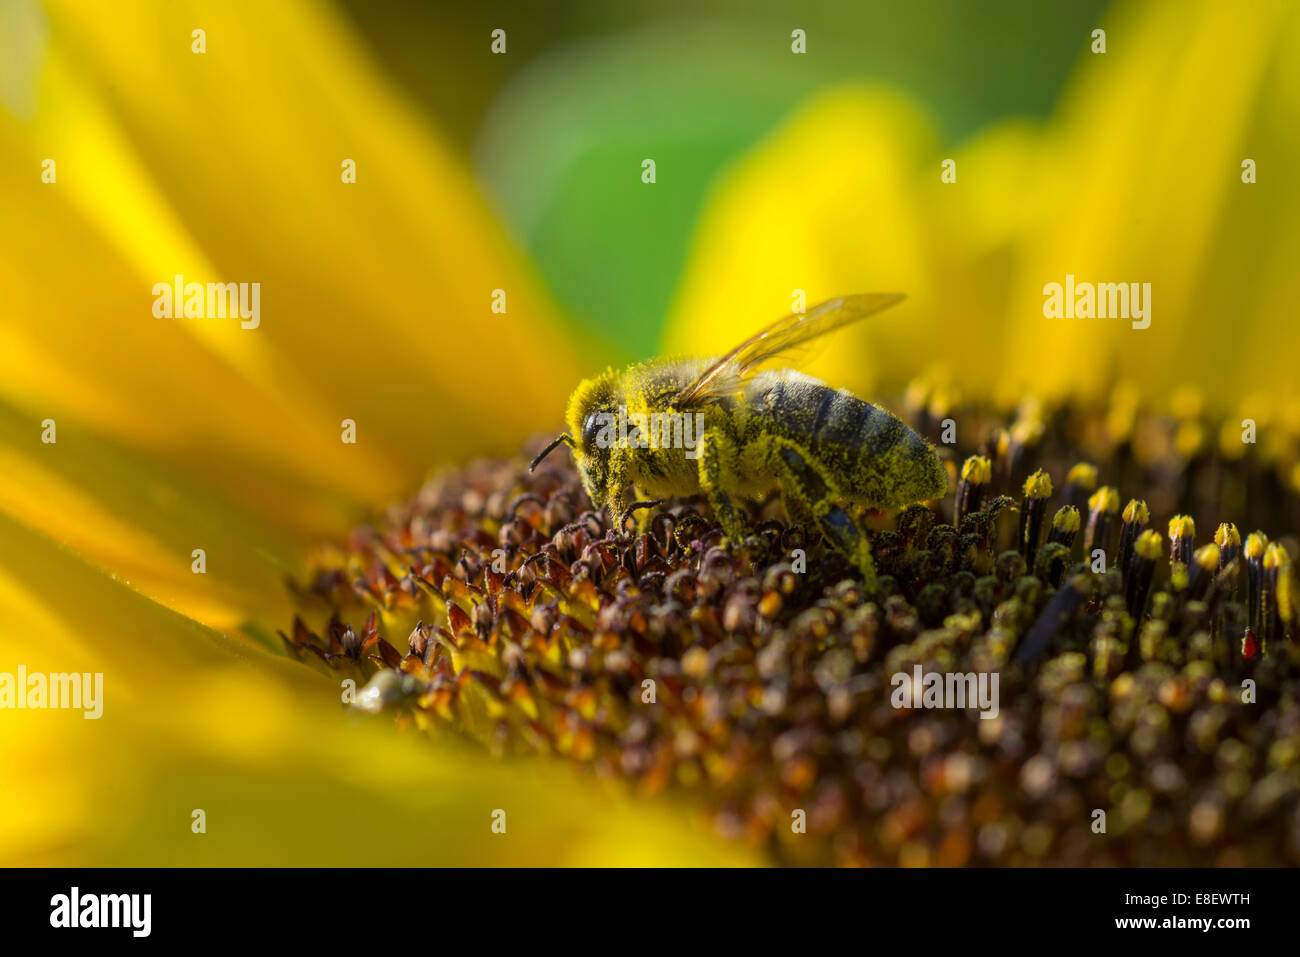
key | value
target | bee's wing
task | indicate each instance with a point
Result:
(726, 375)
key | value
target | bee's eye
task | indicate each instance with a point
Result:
(590, 427)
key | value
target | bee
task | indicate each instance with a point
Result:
(676, 428)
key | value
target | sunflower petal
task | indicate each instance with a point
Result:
(376, 296)
(196, 721)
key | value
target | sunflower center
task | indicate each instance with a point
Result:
(1044, 672)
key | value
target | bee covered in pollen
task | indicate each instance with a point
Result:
(676, 428)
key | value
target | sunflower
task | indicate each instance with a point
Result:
(163, 478)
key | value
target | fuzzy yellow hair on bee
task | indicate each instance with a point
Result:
(675, 428)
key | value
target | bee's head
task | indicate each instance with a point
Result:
(593, 404)
(591, 407)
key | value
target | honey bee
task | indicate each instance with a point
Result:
(676, 428)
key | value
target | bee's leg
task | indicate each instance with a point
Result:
(620, 493)
(641, 511)
(805, 489)
(716, 451)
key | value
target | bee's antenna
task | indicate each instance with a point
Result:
(562, 440)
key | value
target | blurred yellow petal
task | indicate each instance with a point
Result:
(193, 720)
(133, 517)
(1144, 163)
(817, 209)
(376, 296)
(847, 197)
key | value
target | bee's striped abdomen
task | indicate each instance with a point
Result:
(815, 414)
(858, 427)
(876, 457)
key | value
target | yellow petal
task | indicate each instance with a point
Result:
(226, 166)
(848, 197)
(131, 516)
(194, 720)
(1144, 185)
